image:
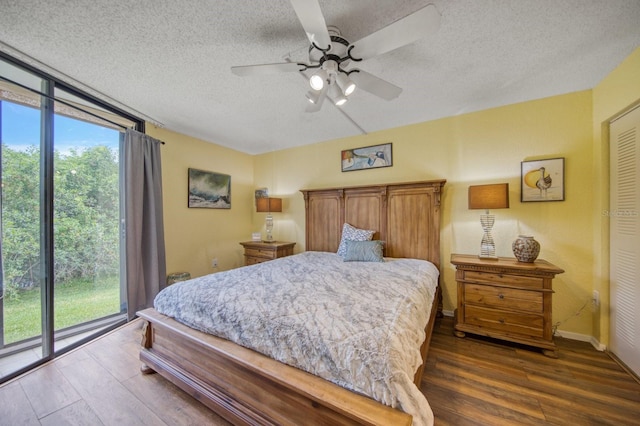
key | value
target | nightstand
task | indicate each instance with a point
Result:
(258, 251)
(506, 299)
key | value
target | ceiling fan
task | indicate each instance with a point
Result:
(330, 54)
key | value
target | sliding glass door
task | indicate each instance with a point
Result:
(86, 218)
(22, 262)
(60, 219)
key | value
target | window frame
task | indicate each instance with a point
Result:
(50, 84)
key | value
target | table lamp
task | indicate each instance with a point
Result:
(487, 197)
(269, 205)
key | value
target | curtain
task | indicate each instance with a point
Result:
(144, 227)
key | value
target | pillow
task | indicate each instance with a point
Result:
(364, 251)
(351, 233)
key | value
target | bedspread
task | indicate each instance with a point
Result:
(357, 324)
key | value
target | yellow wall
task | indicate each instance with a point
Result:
(617, 93)
(476, 148)
(193, 237)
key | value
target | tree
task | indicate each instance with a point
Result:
(20, 217)
(86, 215)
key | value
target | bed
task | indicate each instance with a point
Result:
(246, 387)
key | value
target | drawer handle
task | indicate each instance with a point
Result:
(501, 296)
(501, 321)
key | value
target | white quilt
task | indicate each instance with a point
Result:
(357, 324)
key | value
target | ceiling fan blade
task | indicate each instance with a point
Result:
(411, 28)
(267, 68)
(375, 85)
(312, 21)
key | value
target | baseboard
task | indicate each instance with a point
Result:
(596, 344)
(447, 313)
(624, 366)
(582, 338)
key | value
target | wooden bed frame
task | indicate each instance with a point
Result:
(248, 388)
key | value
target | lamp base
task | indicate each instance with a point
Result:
(487, 245)
(268, 224)
(486, 257)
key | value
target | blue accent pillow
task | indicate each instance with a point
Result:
(351, 233)
(364, 251)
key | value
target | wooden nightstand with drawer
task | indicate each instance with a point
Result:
(506, 299)
(258, 251)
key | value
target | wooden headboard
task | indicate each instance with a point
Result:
(404, 215)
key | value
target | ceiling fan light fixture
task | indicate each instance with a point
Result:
(346, 84)
(340, 100)
(330, 66)
(313, 96)
(336, 95)
(324, 67)
(317, 80)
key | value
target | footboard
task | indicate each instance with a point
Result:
(246, 387)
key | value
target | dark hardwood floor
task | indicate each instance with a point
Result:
(480, 381)
(470, 381)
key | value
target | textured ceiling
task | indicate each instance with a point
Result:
(170, 61)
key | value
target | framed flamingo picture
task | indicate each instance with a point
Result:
(542, 180)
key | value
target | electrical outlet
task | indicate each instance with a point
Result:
(596, 298)
(214, 262)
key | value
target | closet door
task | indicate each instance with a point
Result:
(625, 238)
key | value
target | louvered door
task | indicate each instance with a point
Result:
(625, 238)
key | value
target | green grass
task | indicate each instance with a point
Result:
(75, 302)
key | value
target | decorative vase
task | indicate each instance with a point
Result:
(525, 249)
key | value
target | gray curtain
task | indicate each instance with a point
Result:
(144, 229)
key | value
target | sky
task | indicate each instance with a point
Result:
(21, 129)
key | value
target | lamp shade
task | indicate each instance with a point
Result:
(488, 197)
(268, 205)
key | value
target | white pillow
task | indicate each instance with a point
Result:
(351, 233)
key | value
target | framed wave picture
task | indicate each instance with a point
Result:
(209, 190)
(542, 180)
(367, 157)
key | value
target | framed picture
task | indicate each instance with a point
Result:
(262, 193)
(209, 190)
(542, 180)
(368, 157)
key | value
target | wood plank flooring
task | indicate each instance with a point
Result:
(470, 381)
(100, 384)
(481, 381)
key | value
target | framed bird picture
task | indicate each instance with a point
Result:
(542, 180)
(367, 157)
